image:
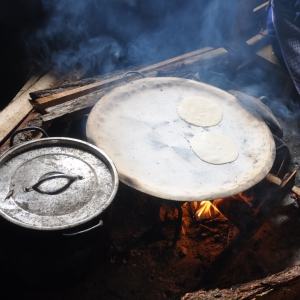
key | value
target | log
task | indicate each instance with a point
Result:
(13, 114)
(283, 285)
(271, 198)
(192, 61)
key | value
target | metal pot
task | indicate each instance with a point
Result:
(55, 200)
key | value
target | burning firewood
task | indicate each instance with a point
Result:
(273, 196)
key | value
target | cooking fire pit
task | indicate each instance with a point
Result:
(139, 127)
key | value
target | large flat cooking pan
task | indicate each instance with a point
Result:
(140, 129)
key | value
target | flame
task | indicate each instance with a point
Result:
(204, 210)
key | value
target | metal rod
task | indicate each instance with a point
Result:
(178, 225)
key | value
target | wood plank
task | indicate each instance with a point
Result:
(77, 104)
(258, 40)
(62, 97)
(189, 65)
(20, 107)
(268, 54)
(71, 85)
(262, 52)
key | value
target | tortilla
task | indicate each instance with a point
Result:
(214, 148)
(199, 111)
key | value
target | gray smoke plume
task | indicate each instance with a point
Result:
(104, 35)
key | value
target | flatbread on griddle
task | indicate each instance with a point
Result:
(214, 148)
(200, 111)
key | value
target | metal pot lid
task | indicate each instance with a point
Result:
(55, 183)
(138, 126)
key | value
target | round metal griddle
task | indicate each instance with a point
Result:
(138, 126)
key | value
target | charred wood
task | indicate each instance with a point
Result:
(66, 86)
(237, 211)
(83, 104)
(283, 285)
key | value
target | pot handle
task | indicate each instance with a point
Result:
(86, 230)
(11, 142)
(50, 176)
(132, 72)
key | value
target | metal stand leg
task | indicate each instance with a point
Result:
(178, 225)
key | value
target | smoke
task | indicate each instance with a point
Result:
(104, 35)
(72, 33)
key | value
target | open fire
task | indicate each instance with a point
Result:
(203, 210)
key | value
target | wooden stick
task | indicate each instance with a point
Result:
(186, 60)
(274, 179)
